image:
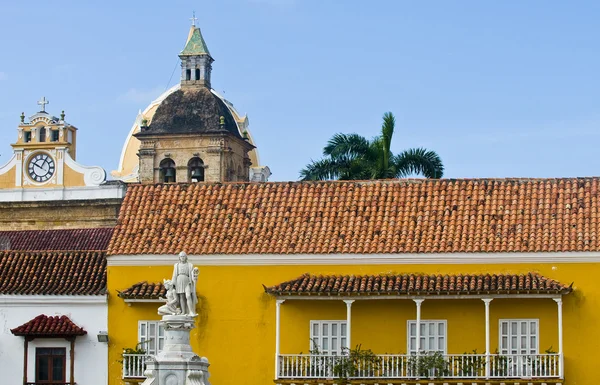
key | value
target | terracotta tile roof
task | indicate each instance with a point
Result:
(399, 216)
(54, 273)
(144, 290)
(48, 326)
(419, 284)
(55, 240)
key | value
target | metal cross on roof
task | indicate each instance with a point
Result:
(43, 103)
(193, 18)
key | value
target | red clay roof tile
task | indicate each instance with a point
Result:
(396, 216)
(53, 273)
(49, 326)
(419, 284)
(144, 290)
(56, 240)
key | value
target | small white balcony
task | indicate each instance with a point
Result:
(134, 366)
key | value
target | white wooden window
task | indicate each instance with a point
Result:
(433, 336)
(329, 337)
(151, 336)
(519, 336)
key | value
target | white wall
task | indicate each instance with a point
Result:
(88, 312)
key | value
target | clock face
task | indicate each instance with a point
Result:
(41, 168)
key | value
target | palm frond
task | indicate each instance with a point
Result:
(418, 161)
(387, 131)
(346, 145)
(323, 169)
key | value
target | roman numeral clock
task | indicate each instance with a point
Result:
(40, 167)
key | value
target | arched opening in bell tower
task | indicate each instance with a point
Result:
(167, 171)
(196, 170)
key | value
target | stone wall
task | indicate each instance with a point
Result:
(59, 214)
(225, 158)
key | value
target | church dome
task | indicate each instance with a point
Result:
(128, 163)
(191, 111)
(190, 107)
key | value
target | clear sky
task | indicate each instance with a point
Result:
(505, 88)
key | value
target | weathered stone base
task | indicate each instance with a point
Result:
(177, 364)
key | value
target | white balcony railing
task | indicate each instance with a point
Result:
(134, 365)
(422, 366)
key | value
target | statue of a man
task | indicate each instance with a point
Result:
(184, 280)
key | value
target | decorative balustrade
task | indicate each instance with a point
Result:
(421, 366)
(134, 365)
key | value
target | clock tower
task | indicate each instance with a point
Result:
(43, 165)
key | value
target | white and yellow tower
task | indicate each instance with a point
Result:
(43, 165)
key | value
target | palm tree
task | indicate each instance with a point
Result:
(353, 157)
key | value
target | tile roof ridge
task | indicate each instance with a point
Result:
(367, 181)
(472, 283)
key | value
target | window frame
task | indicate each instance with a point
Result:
(341, 325)
(519, 335)
(437, 322)
(143, 338)
(50, 358)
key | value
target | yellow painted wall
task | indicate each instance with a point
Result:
(236, 326)
(7, 180)
(72, 178)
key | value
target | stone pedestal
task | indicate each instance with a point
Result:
(177, 364)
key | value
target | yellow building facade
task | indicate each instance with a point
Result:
(290, 273)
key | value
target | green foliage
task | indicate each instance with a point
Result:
(352, 360)
(353, 157)
(429, 365)
(500, 363)
(471, 365)
(138, 349)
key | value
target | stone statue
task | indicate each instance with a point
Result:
(184, 279)
(176, 363)
(171, 307)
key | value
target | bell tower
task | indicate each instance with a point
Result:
(193, 135)
(43, 165)
(196, 62)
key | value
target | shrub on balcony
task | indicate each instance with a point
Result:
(472, 365)
(428, 365)
(138, 349)
(356, 363)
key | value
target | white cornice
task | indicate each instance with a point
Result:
(153, 300)
(356, 259)
(28, 300)
(62, 193)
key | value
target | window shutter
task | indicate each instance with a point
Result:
(432, 336)
(151, 335)
(519, 336)
(142, 333)
(329, 337)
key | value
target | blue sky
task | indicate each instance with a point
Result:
(498, 88)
